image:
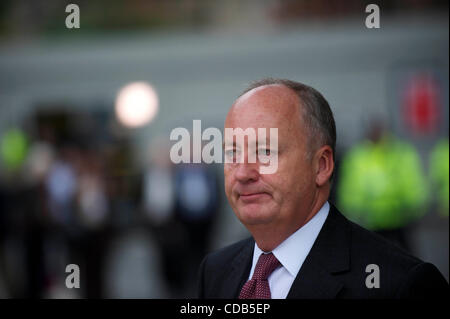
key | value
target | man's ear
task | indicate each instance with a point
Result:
(324, 165)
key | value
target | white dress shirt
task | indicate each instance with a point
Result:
(291, 253)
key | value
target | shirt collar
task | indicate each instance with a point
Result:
(292, 252)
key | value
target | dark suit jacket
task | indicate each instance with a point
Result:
(334, 268)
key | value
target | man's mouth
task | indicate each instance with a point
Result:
(253, 197)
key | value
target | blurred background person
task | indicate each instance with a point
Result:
(382, 185)
(439, 175)
(198, 202)
(158, 204)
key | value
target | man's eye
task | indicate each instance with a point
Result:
(264, 151)
(230, 153)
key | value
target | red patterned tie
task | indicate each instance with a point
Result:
(258, 286)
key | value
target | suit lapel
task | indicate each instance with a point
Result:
(329, 255)
(240, 269)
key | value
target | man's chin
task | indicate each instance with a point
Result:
(254, 214)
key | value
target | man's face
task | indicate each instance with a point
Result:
(284, 198)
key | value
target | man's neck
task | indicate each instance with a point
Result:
(268, 237)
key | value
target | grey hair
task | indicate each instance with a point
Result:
(316, 113)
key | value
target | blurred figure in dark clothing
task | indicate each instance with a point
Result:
(198, 203)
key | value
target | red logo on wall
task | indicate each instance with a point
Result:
(421, 104)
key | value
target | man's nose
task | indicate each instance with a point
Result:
(246, 172)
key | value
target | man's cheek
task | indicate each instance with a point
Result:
(228, 190)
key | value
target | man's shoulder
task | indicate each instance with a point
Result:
(221, 271)
(401, 274)
(368, 243)
(404, 274)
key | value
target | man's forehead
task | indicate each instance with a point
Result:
(269, 104)
(270, 94)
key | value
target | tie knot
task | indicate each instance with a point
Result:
(266, 264)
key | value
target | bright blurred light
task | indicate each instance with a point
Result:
(136, 104)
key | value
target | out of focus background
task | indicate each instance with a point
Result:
(86, 114)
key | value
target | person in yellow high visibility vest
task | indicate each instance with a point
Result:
(382, 186)
(439, 170)
(13, 149)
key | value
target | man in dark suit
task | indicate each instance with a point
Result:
(301, 245)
